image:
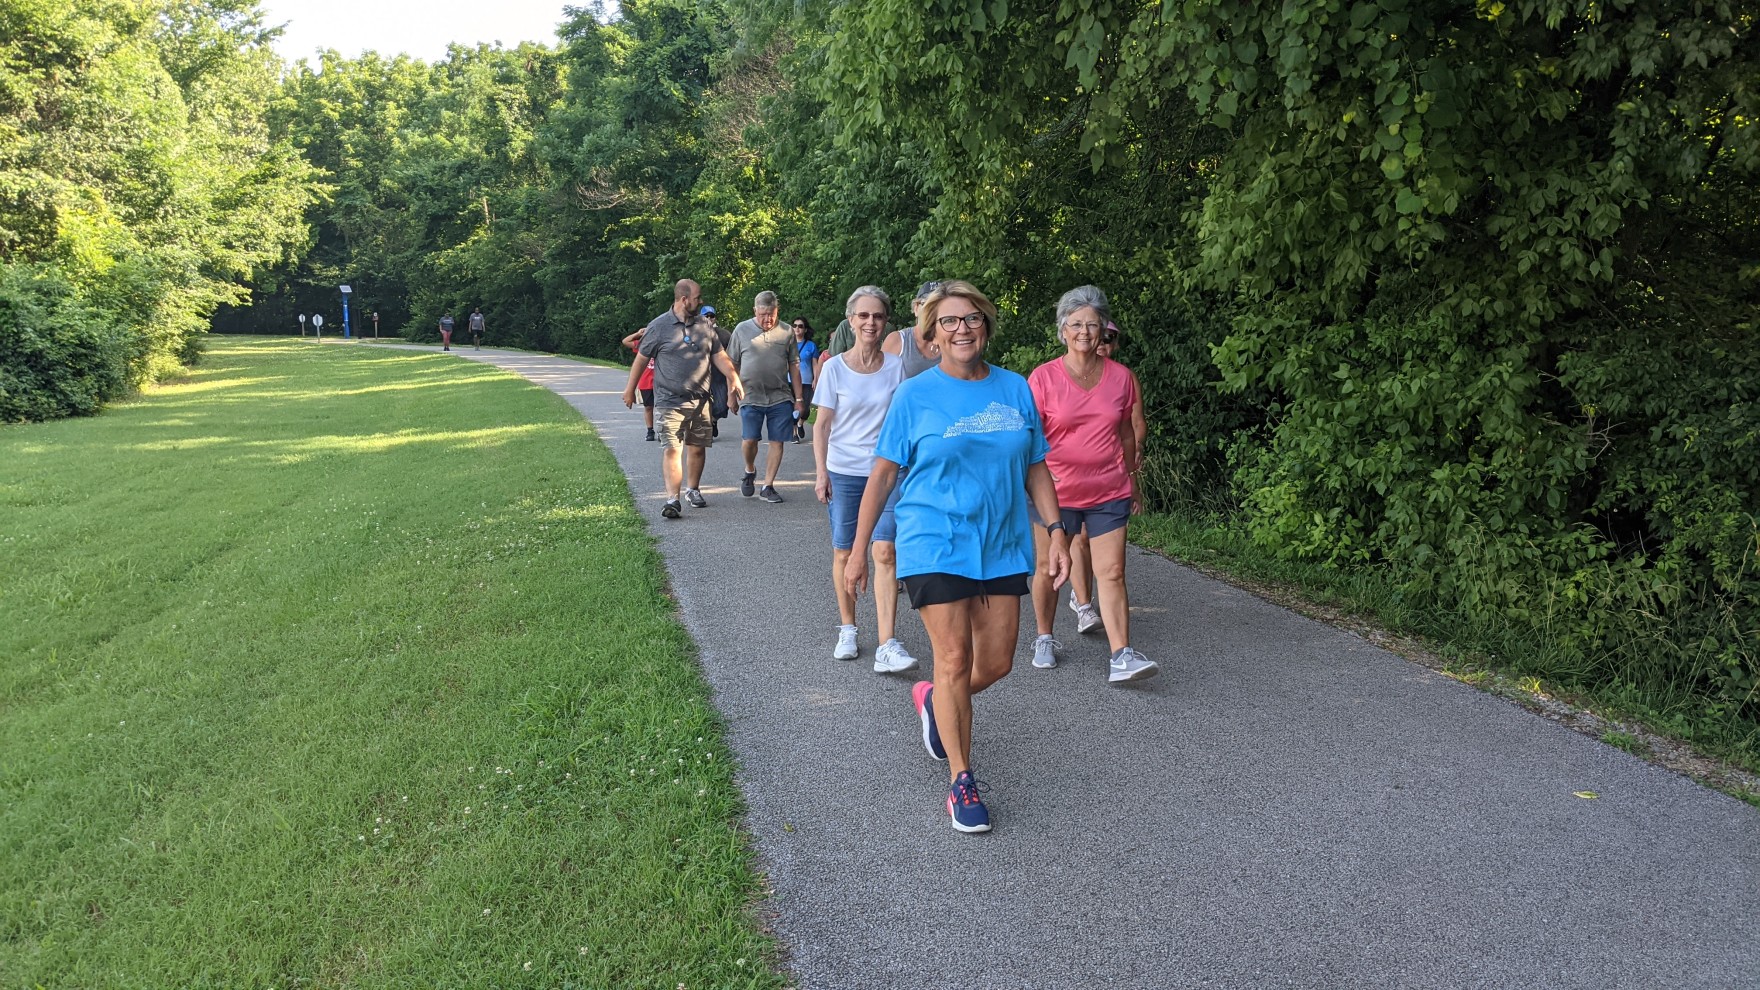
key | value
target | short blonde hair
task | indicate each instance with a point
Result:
(964, 290)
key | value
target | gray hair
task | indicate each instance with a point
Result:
(764, 300)
(1082, 297)
(849, 308)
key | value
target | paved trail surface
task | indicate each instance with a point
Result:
(1285, 806)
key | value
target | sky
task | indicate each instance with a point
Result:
(421, 28)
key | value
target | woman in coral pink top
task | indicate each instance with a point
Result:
(1085, 403)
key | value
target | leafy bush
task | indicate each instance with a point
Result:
(58, 357)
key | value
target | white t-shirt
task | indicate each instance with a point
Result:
(860, 402)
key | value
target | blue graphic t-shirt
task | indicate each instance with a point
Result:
(962, 505)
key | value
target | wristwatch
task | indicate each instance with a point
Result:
(1052, 527)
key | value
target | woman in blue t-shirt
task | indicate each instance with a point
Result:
(809, 356)
(969, 435)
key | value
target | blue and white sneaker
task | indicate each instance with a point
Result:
(926, 712)
(965, 807)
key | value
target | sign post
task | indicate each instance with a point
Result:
(346, 331)
(302, 324)
(375, 325)
(318, 326)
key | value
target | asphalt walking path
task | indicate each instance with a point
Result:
(1284, 806)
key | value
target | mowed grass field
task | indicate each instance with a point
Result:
(336, 666)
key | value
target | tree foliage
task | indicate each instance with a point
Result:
(139, 186)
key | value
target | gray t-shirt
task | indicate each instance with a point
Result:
(476, 323)
(681, 354)
(766, 362)
(745, 330)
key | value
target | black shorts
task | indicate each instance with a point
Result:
(648, 397)
(940, 589)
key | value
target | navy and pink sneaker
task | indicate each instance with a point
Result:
(926, 712)
(965, 807)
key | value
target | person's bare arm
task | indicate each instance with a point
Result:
(634, 339)
(822, 450)
(880, 481)
(894, 343)
(1044, 495)
(1139, 427)
(635, 374)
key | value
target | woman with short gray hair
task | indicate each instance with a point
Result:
(1086, 403)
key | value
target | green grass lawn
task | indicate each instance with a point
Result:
(338, 666)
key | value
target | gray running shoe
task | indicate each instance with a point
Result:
(1045, 652)
(695, 498)
(1087, 619)
(1131, 666)
(746, 486)
(671, 510)
(768, 494)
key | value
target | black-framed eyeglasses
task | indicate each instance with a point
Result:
(800, 326)
(971, 320)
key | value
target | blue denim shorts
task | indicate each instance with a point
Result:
(846, 504)
(779, 418)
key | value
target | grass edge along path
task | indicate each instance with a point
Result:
(1497, 661)
(335, 667)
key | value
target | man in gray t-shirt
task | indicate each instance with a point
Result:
(764, 352)
(681, 347)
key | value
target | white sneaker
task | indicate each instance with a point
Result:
(1074, 606)
(1045, 652)
(846, 644)
(1087, 618)
(1131, 666)
(892, 658)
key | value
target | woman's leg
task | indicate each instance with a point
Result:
(1044, 595)
(996, 623)
(885, 589)
(1107, 551)
(846, 605)
(973, 640)
(1080, 570)
(950, 637)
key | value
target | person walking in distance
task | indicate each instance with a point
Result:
(970, 436)
(855, 390)
(682, 348)
(809, 361)
(1085, 404)
(766, 357)
(645, 384)
(1081, 580)
(717, 381)
(446, 332)
(476, 326)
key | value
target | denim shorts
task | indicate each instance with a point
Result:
(779, 418)
(846, 504)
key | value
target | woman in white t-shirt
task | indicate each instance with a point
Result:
(853, 392)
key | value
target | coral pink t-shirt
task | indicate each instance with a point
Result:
(1082, 425)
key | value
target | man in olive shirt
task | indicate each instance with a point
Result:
(764, 352)
(682, 348)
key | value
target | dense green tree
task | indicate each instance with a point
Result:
(139, 188)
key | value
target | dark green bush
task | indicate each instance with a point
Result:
(58, 357)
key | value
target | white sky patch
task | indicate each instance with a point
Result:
(420, 28)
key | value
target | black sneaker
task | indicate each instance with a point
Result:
(696, 498)
(768, 494)
(650, 433)
(672, 510)
(746, 487)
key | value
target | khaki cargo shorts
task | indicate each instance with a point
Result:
(687, 425)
